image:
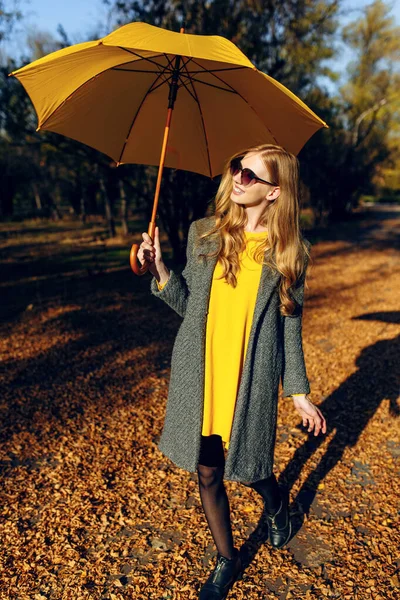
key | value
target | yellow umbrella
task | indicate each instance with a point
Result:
(115, 93)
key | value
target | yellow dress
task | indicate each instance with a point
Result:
(230, 315)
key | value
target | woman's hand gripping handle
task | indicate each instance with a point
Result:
(149, 253)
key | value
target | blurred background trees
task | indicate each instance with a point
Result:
(371, 99)
(48, 175)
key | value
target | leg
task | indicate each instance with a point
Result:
(213, 493)
(269, 490)
(216, 508)
(276, 508)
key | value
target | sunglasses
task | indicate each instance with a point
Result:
(247, 176)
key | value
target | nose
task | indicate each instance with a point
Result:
(237, 178)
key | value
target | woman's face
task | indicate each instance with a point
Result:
(256, 193)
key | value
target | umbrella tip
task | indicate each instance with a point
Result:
(38, 128)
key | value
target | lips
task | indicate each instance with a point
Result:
(236, 190)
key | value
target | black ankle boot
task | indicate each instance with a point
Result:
(279, 524)
(222, 578)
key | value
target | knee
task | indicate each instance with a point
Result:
(209, 476)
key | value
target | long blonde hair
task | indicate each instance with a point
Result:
(283, 249)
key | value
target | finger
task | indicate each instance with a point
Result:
(148, 255)
(317, 428)
(157, 240)
(144, 258)
(147, 247)
(147, 242)
(147, 238)
(323, 421)
(306, 421)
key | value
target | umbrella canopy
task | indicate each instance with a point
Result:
(112, 94)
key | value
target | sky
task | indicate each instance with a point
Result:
(82, 18)
(78, 17)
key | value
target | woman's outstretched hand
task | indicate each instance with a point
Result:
(150, 252)
(311, 415)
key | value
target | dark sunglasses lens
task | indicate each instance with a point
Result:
(235, 166)
(247, 176)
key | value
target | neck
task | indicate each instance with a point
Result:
(254, 214)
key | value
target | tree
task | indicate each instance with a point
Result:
(41, 43)
(372, 97)
(42, 172)
(9, 15)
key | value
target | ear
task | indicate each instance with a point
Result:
(273, 194)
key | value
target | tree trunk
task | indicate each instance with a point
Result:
(38, 200)
(108, 209)
(83, 208)
(124, 208)
(56, 197)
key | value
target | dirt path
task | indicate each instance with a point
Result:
(91, 509)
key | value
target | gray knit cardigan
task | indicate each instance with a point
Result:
(274, 353)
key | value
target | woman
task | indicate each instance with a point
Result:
(241, 299)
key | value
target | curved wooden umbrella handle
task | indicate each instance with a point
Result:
(135, 265)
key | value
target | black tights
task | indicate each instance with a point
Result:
(214, 497)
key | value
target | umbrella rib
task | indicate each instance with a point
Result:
(150, 60)
(217, 87)
(136, 116)
(202, 121)
(154, 87)
(189, 59)
(160, 68)
(145, 71)
(216, 76)
(244, 100)
(215, 70)
(169, 60)
(184, 84)
(160, 74)
(133, 70)
(181, 73)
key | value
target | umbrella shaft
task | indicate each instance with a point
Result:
(174, 83)
(173, 90)
(160, 168)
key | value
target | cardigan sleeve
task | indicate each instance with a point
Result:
(294, 373)
(176, 290)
